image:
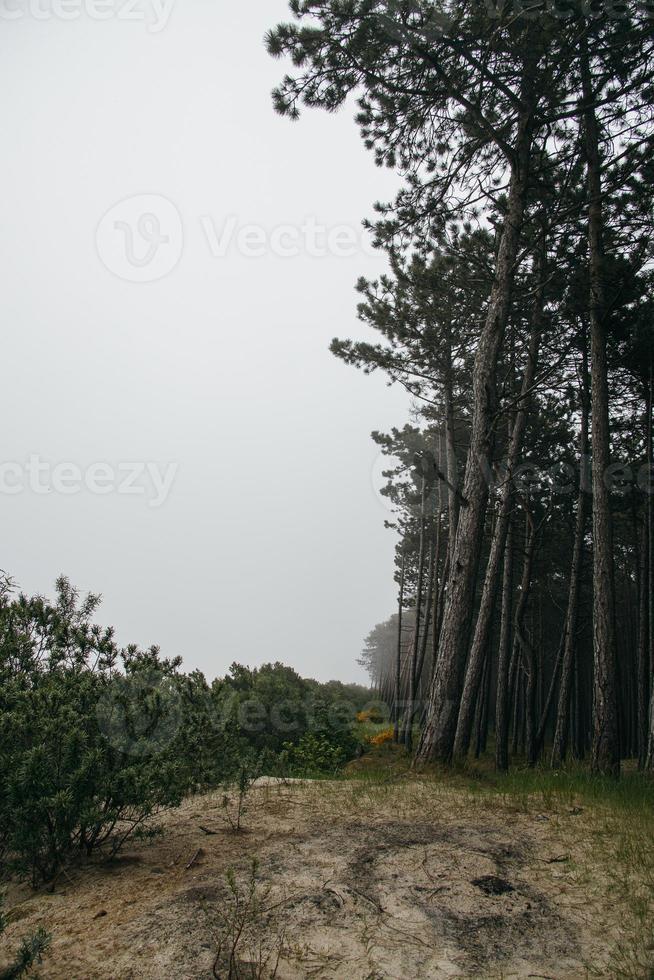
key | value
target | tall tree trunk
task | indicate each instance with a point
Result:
(435, 593)
(518, 690)
(483, 703)
(562, 726)
(482, 629)
(437, 741)
(413, 673)
(549, 700)
(650, 524)
(642, 670)
(452, 466)
(528, 658)
(649, 762)
(398, 657)
(428, 609)
(605, 748)
(440, 599)
(439, 592)
(439, 573)
(503, 658)
(580, 710)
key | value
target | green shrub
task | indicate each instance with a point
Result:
(270, 706)
(248, 766)
(88, 735)
(314, 755)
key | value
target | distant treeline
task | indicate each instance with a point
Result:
(96, 739)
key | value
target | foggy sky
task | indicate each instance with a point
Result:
(269, 544)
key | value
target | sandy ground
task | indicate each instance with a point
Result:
(410, 880)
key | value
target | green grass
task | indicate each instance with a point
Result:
(633, 793)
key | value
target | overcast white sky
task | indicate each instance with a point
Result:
(270, 544)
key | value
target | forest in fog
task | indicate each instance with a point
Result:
(485, 808)
(517, 311)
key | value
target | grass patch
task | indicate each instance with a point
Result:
(618, 829)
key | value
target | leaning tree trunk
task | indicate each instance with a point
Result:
(437, 741)
(480, 643)
(605, 747)
(562, 726)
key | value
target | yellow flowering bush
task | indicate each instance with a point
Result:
(382, 737)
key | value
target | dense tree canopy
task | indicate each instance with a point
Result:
(517, 312)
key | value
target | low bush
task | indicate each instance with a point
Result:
(373, 716)
(381, 738)
(94, 741)
(314, 755)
